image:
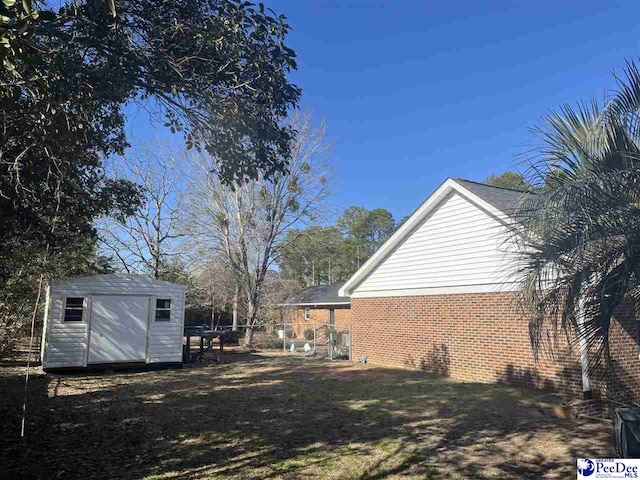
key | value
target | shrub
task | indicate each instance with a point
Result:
(308, 334)
(12, 330)
(266, 340)
(232, 338)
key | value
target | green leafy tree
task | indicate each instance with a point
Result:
(511, 180)
(316, 255)
(369, 228)
(579, 236)
(18, 292)
(350, 219)
(214, 71)
(322, 255)
(402, 220)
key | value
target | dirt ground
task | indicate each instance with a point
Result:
(274, 416)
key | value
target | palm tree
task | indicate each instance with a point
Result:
(579, 235)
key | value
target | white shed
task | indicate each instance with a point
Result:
(115, 318)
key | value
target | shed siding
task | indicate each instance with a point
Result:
(458, 245)
(45, 322)
(66, 344)
(165, 338)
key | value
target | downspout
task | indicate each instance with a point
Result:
(584, 352)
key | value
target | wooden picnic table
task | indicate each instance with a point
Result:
(204, 334)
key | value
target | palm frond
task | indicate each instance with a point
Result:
(579, 237)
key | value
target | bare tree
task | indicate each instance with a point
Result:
(248, 223)
(215, 287)
(278, 293)
(150, 239)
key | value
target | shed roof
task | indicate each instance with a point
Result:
(322, 295)
(128, 279)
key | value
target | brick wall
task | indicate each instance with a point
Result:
(319, 316)
(622, 382)
(477, 337)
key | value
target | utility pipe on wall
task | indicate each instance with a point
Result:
(584, 352)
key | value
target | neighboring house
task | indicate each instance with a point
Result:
(110, 319)
(439, 296)
(317, 306)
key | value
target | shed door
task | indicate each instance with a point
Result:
(118, 328)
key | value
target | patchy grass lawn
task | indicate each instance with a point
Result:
(273, 416)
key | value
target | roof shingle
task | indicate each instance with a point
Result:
(506, 200)
(322, 294)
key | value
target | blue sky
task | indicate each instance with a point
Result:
(414, 92)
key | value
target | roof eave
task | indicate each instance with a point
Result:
(313, 304)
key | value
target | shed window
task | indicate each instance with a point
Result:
(73, 309)
(307, 314)
(163, 310)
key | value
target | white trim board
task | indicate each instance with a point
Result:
(419, 292)
(312, 304)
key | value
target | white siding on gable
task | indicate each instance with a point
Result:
(459, 247)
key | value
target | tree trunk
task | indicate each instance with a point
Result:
(248, 337)
(251, 314)
(213, 306)
(235, 310)
(155, 267)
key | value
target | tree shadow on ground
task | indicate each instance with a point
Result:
(261, 416)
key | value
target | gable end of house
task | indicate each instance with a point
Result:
(455, 242)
